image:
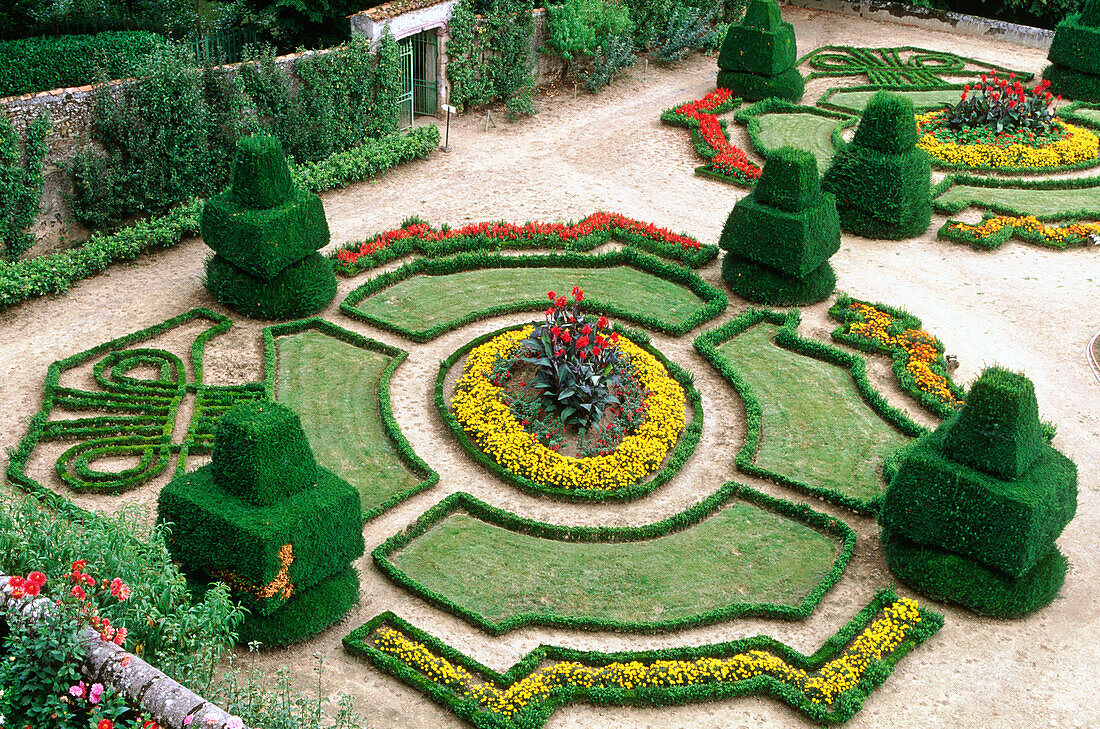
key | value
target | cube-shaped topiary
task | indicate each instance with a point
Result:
(998, 429)
(1076, 42)
(261, 454)
(881, 180)
(302, 288)
(789, 181)
(264, 242)
(788, 85)
(306, 614)
(950, 577)
(261, 176)
(246, 546)
(762, 43)
(755, 282)
(1008, 525)
(1072, 83)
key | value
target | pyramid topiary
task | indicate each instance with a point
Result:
(981, 500)
(1075, 55)
(881, 180)
(265, 519)
(265, 233)
(759, 55)
(780, 236)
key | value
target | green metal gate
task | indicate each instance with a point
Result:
(405, 101)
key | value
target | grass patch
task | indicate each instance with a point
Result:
(815, 426)
(422, 301)
(923, 100)
(1046, 199)
(805, 131)
(333, 385)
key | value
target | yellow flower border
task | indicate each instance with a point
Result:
(478, 407)
(878, 640)
(1079, 145)
(1030, 223)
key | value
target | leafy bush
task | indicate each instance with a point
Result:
(38, 64)
(614, 54)
(164, 140)
(492, 57)
(685, 30)
(29, 18)
(1003, 106)
(20, 183)
(579, 27)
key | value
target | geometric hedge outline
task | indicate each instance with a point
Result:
(888, 67)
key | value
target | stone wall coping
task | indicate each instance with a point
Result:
(167, 701)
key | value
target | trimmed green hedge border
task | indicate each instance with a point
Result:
(825, 100)
(358, 643)
(1002, 236)
(985, 66)
(679, 522)
(1069, 113)
(750, 118)
(715, 299)
(56, 273)
(840, 312)
(416, 244)
(401, 444)
(199, 435)
(787, 337)
(676, 459)
(1071, 183)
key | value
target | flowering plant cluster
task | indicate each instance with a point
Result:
(1029, 226)
(1003, 105)
(1060, 145)
(549, 682)
(701, 116)
(573, 355)
(484, 410)
(920, 348)
(551, 235)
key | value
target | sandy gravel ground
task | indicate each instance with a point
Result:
(1022, 307)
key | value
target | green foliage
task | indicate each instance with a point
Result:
(261, 177)
(1073, 84)
(492, 58)
(306, 614)
(20, 183)
(371, 158)
(882, 182)
(292, 24)
(781, 235)
(164, 140)
(579, 27)
(788, 85)
(685, 30)
(951, 577)
(614, 54)
(39, 64)
(302, 288)
(1076, 43)
(40, 664)
(763, 43)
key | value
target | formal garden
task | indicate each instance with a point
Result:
(748, 376)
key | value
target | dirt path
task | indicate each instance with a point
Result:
(1022, 307)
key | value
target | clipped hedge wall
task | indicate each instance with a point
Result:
(40, 64)
(676, 458)
(787, 337)
(732, 491)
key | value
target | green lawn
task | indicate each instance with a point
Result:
(422, 301)
(333, 386)
(1047, 204)
(805, 131)
(742, 555)
(923, 101)
(815, 426)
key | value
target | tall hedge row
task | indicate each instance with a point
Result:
(39, 64)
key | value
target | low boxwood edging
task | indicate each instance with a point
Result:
(56, 273)
(715, 300)
(750, 118)
(1068, 183)
(463, 502)
(476, 692)
(401, 444)
(417, 237)
(676, 459)
(787, 337)
(996, 230)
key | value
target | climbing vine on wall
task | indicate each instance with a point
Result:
(491, 56)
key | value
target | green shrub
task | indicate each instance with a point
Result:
(950, 577)
(759, 56)
(579, 27)
(1073, 84)
(754, 282)
(882, 182)
(20, 183)
(686, 30)
(306, 614)
(491, 57)
(39, 64)
(614, 54)
(1076, 43)
(1008, 525)
(788, 85)
(303, 288)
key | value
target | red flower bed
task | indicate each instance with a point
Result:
(538, 233)
(701, 116)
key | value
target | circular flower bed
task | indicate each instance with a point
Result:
(1062, 146)
(484, 409)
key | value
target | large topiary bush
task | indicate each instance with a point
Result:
(1075, 55)
(881, 180)
(269, 522)
(974, 508)
(780, 236)
(759, 56)
(266, 233)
